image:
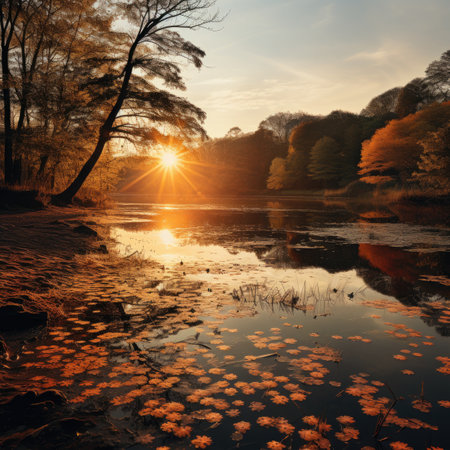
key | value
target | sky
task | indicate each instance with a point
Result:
(315, 56)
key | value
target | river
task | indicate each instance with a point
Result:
(286, 324)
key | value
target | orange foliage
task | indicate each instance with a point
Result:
(395, 149)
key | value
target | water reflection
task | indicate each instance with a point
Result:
(393, 257)
(172, 248)
(144, 341)
(167, 238)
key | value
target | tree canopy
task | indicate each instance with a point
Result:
(393, 152)
(72, 74)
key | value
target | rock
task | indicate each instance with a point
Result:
(87, 231)
(3, 347)
(31, 398)
(14, 317)
(103, 249)
(11, 199)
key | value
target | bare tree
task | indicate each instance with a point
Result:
(281, 124)
(152, 47)
(438, 78)
(382, 104)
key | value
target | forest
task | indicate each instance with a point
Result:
(88, 102)
(399, 141)
(79, 77)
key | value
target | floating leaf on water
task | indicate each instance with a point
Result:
(397, 445)
(201, 441)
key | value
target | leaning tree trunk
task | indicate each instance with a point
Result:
(65, 197)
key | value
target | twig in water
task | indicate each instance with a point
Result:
(268, 355)
(381, 421)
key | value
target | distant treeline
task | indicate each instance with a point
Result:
(79, 90)
(401, 138)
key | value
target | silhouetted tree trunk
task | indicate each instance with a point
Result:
(7, 118)
(156, 22)
(9, 12)
(67, 195)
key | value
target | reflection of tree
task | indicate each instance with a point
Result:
(399, 277)
(276, 215)
(394, 262)
(432, 316)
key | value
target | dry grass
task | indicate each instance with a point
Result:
(92, 198)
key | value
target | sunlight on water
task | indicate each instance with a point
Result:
(168, 249)
(266, 327)
(167, 238)
(216, 264)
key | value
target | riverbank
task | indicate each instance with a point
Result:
(67, 300)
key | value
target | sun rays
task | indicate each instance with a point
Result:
(169, 159)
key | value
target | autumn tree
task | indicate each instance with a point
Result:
(433, 167)
(393, 153)
(64, 46)
(148, 53)
(277, 174)
(52, 53)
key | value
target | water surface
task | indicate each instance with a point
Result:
(261, 323)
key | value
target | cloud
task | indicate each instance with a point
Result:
(270, 95)
(378, 56)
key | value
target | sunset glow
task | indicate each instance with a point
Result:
(225, 224)
(169, 159)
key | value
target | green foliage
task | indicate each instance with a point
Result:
(325, 160)
(347, 130)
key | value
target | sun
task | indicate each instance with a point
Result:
(169, 159)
